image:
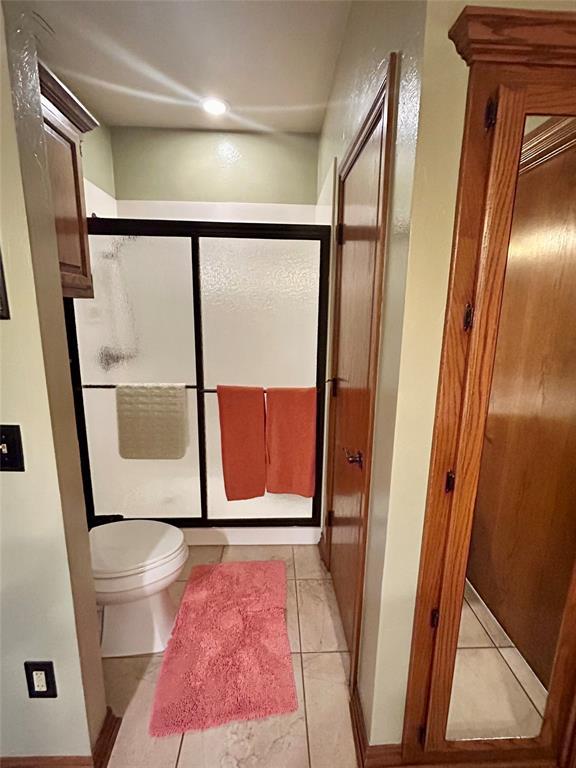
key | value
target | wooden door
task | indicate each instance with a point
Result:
(363, 188)
(523, 543)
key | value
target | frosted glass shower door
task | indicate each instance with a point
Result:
(259, 301)
(138, 329)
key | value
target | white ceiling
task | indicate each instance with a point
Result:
(148, 62)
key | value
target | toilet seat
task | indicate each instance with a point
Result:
(133, 547)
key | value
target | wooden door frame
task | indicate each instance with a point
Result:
(383, 107)
(521, 62)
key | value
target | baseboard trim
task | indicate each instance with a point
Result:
(46, 762)
(102, 751)
(106, 739)
(370, 756)
(324, 549)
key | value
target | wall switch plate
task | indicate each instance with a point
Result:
(11, 453)
(40, 679)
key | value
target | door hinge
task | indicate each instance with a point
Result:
(491, 114)
(330, 518)
(422, 734)
(468, 317)
(450, 481)
(434, 618)
(340, 234)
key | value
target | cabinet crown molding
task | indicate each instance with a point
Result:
(62, 98)
(515, 36)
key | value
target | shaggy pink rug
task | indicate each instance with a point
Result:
(229, 654)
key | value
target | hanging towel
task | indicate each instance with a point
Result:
(152, 421)
(243, 443)
(291, 441)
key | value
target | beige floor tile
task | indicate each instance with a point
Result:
(308, 563)
(327, 712)
(200, 555)
(275, 742)
(176, 591)
(130, 684)
(472, 633)
(292, 617)
(240, 552)
(488, 621)
(526, 677)
(487, 700)
(320, 624)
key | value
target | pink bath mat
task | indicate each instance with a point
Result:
(229, 654)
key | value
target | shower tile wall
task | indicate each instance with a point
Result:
(259, 310)
(139, 328)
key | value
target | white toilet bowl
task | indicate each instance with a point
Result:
(133, 564)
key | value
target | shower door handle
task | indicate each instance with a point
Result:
(354, 458)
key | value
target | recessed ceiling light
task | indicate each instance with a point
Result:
(214, 106)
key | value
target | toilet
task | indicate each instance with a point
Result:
(133, 564)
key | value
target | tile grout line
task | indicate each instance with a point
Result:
(484, 627)
(518, 679)
(179, 751)
(302, 666)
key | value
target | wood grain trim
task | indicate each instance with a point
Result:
(62, 98)
(549, 139)
(548, 91)
(106, 739)
(515, 36)
(476, 151)
(489, 286)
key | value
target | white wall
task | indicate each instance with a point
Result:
(98, 201)
(37, 621)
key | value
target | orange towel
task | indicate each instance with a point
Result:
(243, 441)
(291, 441)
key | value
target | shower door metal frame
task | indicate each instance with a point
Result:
(194, 230)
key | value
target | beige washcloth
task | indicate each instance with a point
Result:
(152, 421)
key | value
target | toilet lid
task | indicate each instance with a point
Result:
(131, 546)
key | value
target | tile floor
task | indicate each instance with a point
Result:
(495, 693)
(317, 735)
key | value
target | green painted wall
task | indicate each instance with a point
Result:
(97, 160)
(211, 166)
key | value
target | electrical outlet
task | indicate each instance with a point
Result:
(11, 454)
(40, 679)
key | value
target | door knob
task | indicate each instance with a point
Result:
(354, 458)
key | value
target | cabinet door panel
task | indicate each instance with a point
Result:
(65, 166)
(61, 158)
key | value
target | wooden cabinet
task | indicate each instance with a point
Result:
(65, 120)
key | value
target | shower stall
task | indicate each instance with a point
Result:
(199, 304)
